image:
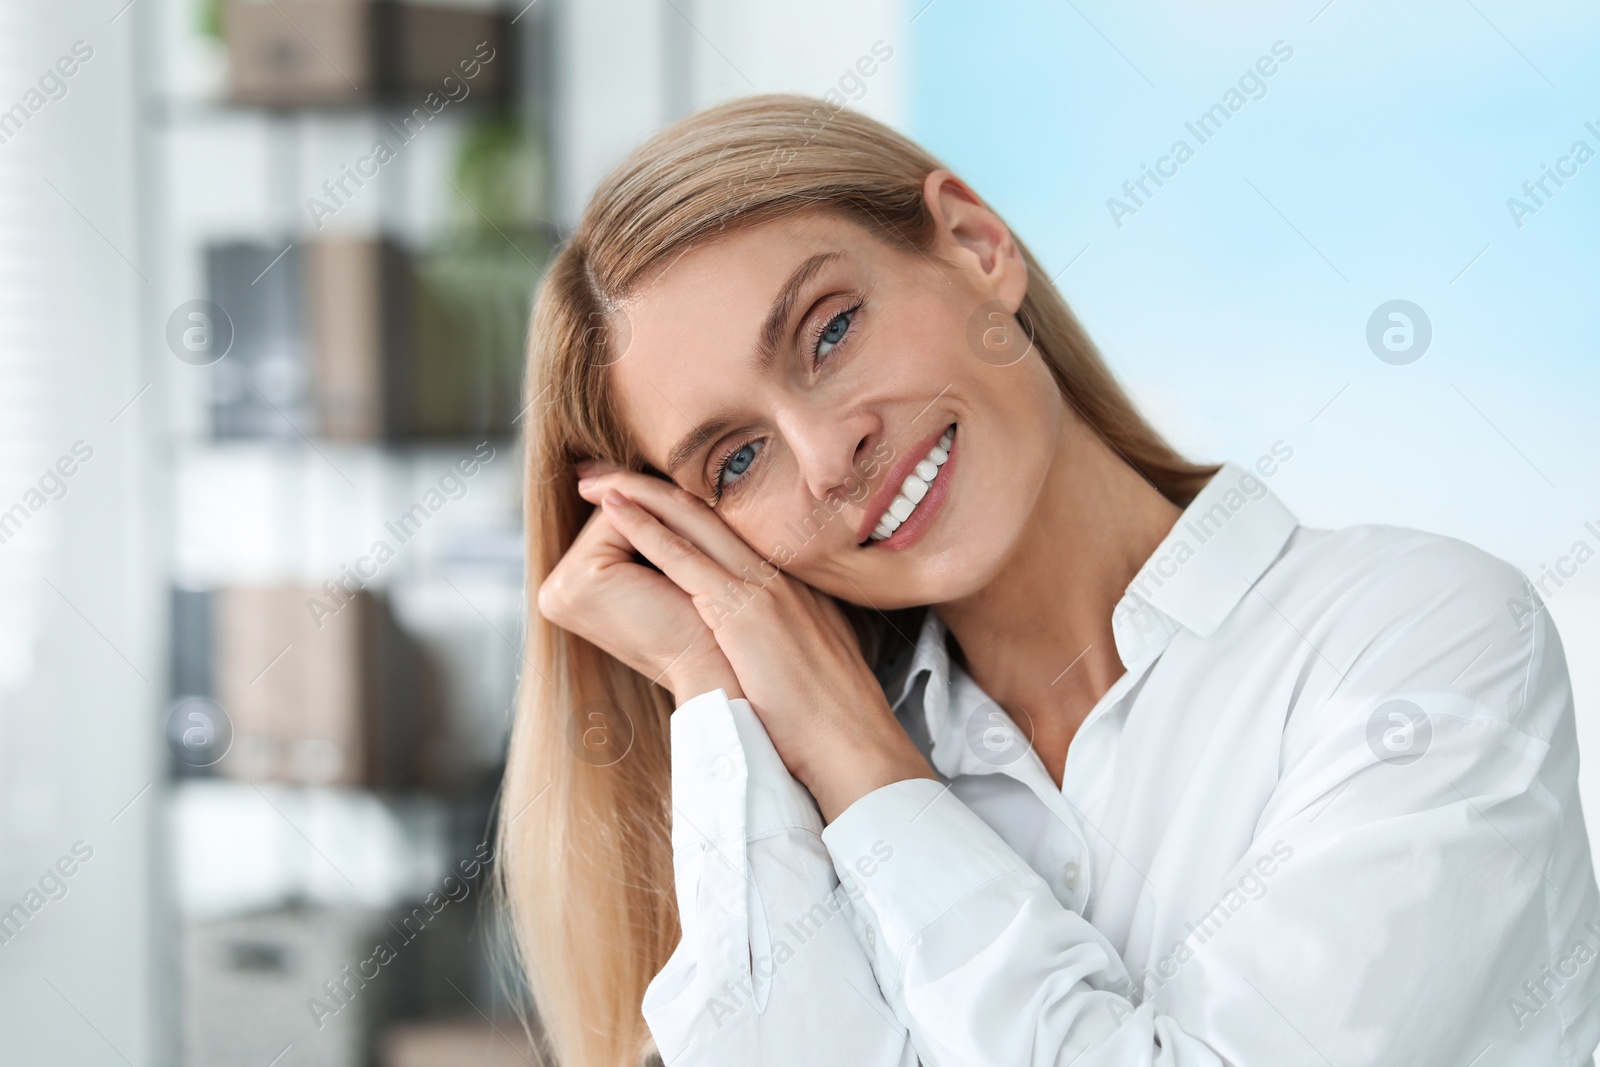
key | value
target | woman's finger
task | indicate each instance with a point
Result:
(683, 513)
(600, 552)
(599, 591)
(679, 558)
(599, 538)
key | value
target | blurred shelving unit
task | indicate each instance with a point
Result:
(350, 219)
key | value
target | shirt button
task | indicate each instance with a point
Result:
(872, 938)
(722, 769)
(1069, 876)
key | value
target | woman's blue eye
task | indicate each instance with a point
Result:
(738, 462)
(837, 327)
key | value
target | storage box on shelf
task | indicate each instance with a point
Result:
(333, 981)
(354, 338)
(294, 53)
(260, 387)
(358, 291)
(340, 698)
(313, 916)
(247, 981)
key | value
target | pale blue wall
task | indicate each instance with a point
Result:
(1391, 141)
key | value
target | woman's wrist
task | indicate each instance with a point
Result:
(690, 680)
(848, 779)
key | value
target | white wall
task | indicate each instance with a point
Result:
(625, 68)
(81, 699)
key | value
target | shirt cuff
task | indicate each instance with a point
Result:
(727, 776)
(908, 852)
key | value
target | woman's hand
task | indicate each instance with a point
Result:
(599, 592)
(794, 654)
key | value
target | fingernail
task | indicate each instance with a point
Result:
(614, 497)
(586, 483)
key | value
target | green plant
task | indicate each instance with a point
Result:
(499, 170)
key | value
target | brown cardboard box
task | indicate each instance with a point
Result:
(434, 41)
(292, 53)
(318, 696)
(357, 293)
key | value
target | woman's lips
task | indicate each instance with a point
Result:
(910, 529)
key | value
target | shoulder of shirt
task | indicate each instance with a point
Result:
(1402, 567)
(1453, 616)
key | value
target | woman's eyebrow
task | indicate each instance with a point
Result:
(773, 330)
(695, 440)
(767, 341)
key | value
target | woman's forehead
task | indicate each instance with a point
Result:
(740, 248)
(696, 331)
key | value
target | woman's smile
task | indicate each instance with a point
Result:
(911, 496)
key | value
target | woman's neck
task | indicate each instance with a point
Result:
(1038, 638)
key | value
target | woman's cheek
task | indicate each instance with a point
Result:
(794, 542)
(779, 557)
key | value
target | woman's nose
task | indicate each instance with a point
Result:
(827, 447)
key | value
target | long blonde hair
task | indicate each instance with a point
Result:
(585, 864)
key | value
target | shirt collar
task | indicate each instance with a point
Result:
(1217, 550)
(1221, 545)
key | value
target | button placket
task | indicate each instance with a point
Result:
(1073, 856)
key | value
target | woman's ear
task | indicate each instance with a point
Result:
(973, 236)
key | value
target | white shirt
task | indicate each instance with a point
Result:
(1328, 816)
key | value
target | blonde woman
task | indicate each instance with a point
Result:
(897, 695)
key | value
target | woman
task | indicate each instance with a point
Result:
(898, 695)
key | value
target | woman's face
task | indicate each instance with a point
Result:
(796, 373)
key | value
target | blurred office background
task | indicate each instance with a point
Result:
(260, 389)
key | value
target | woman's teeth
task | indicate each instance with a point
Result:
(914, 488)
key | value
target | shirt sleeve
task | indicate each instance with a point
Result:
(1412, 894)
(974, 953)
(768, 970)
